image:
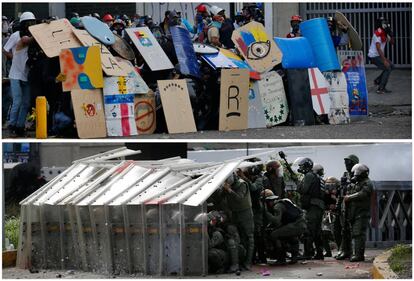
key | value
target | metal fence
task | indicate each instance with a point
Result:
(391, 214)
(363, 15)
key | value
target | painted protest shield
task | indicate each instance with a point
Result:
(176, 103)
(299, 97)
(109, 64)
(119, 107)
(98, 30)
(201, 48)
(339, 112)
(122, 48)
(352, 63)
(258, 49)
(82, 68)
(54, 37)
(354, 39)
(149, 48)
(136, 84)
(145, 113)
(256, 113)
(89, 113)
(234, 99)
(185, 51)
(274, 100)
(319, 91)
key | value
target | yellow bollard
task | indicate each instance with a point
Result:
(41, 118)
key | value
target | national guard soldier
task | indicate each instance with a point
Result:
(312, 202)
(357, 202)
(253, 176)
(345, 247)
(330, 221)
(238, 198)
(286, 225)
(274, 177)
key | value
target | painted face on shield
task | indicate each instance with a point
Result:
(258, 50)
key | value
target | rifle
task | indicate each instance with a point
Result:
(292, 174)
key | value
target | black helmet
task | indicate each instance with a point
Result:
(305, 165)
(74, 15)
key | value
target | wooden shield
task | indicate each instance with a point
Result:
(258, 49)
(319, 91)
(256, 112)
(355, 40)
(109, 64)
(145, 113)
(55, 36)
(339, 111)
(89, 113)
(122, 48)
(177, 106)
(234, 100)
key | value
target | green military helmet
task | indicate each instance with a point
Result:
(353, 158)
(360, 170)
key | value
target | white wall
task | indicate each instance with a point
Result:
(387, 162)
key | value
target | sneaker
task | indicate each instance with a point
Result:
(380, 91)
(12, 129)
(387, 91)
(20, 132)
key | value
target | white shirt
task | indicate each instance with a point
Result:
(18, 70)
(372, 53)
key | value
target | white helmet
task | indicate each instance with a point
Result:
(215, 10)
(27, 16)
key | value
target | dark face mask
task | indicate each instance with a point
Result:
(348, 165)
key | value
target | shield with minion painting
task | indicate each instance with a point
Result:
(257, 48)
(81, 68)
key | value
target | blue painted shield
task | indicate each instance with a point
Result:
(99, 30)
(185, 51)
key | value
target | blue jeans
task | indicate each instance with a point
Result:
(382, 79)
(20, 92)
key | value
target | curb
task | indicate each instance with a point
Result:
(381, 268)
(9, 258)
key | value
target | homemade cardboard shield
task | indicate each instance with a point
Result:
(274, 99)
(234, 99)
(149, 48)
(185, 51)
(354, 39)
(256, 115)
(258, 49)
(81, 67)
(135, 82)
(98, 30)
(89, 113)
(339, 112)
(122, 48)
(55, 36)
(353, 66)
(119, 107)
(177, 106)
(109, 64)
(319, 91)
(145, 113)
(299, 97)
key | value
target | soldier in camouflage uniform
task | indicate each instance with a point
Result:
(286, 225)
(238, 198)
(345, 247)
(225, 250)
(329, 218)
(253, 176)
(274, 178)
(357, 202)
(312, 202)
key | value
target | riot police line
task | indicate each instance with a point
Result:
(256, 218)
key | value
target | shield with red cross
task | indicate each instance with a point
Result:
(319, 91)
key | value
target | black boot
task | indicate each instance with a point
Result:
(343, 256)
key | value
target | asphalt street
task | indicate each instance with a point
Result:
(389, 118)
(327, 269)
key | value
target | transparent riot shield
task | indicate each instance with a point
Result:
(133, 218)
(119, 243)
(195, 240)
(171, 240)
(23, 248)
(102, 261)
(37, 256)
(51, 223)
(69, 243)
(152, 239)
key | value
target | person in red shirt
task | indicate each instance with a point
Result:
(294, 23)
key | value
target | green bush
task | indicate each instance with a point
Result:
(400, 258)
(11, 230)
